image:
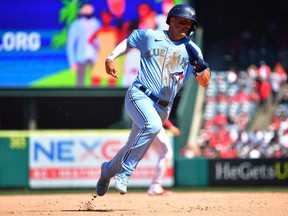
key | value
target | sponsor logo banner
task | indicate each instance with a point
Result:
(70, 159)
(248, 172)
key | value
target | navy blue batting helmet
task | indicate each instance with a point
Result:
(184, 11)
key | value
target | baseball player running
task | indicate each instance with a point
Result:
(168, 58)
(165, 152)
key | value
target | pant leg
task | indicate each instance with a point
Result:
(147, 122)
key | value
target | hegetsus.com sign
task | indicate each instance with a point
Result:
(250, 172)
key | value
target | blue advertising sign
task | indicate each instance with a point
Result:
(59, 44)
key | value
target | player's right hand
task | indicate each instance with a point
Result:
(110, 68)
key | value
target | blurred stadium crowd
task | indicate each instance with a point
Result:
(245, 110)
(233, 101)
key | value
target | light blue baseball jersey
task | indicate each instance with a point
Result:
(164, 64)
(164, 68)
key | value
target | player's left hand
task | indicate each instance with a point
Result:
(194, 58)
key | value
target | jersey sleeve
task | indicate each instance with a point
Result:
(197, 48)
(136, 38)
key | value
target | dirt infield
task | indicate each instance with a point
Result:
(139, 203)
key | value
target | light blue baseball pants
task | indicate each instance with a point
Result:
(147, 120)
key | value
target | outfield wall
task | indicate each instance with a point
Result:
(68, 159)
(14, 160)
(231, 172)
(72, 159)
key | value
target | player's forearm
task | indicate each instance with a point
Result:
(119, 50)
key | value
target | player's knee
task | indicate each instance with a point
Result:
(154, 127)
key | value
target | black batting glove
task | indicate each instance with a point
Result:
(194, 59)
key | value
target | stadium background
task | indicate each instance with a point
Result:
(34, 111)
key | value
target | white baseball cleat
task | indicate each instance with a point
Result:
(121, 182)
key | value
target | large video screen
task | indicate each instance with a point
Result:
(64, 43)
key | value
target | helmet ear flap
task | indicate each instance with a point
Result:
(193, 27)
